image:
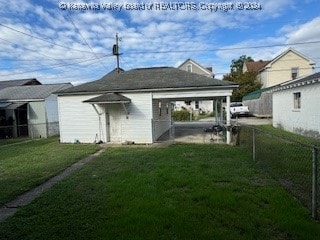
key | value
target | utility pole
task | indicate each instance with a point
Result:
(115, 52)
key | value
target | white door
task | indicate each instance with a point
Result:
(107, 127)
(115, 128)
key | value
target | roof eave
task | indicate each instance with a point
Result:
(107, 102)
(148, 90)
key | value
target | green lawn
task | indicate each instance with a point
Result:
(285, 156)
(5, 142)
(25, 165)
(178, 192)
(289, 135)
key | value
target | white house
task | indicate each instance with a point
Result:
(30, 110)
(133, 105)
(193, 105)
(296, 105)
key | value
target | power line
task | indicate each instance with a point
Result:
(42, 39)
(28, 49)
(276, 70)
(52, 67)
(78, 31)
(129, 65)
(221, 49)
(39, 60)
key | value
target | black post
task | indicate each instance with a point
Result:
(315, 183)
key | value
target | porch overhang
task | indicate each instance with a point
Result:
(109, 98)
(11, 106)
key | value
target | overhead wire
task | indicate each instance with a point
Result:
(78, 31)
(221, 49)
(42, 39)
(36, 52)
(52, 67)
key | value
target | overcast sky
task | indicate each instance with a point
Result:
(55, 41)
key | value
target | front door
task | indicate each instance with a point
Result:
(107, 127)
(115, 127)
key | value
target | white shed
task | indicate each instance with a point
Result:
(296, 105)
(132, 105)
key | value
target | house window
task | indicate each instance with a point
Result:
(196, 105)
(294, 72)
(167, 107)
(187, 103)
(297, 100)
(189, 68)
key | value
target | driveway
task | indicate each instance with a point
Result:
(252, 121)
(193, 132)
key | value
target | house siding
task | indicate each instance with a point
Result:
(205, 106)
(304, 121)
(87, 128)
(52, 116)
(79, 121)
(195, 69)
(37, 122)
(280, 70)
(137, 126)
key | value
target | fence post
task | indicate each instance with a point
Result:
(315, 183)
(253, 144)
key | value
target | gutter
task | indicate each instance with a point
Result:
(147, 90)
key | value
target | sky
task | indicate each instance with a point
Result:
(71, 41)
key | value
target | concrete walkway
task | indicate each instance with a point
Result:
(10, 208)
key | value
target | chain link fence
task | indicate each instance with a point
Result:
(293, 164)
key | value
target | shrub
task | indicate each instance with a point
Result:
(182, 115)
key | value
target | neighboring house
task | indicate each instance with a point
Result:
(133, 105)
(195, 106)
(20, 82)
(30, 110)
(296, 105)
(288, 65)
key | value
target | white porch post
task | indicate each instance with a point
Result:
(228, 120)
(216, 111)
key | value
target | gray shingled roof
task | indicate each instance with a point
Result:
(31, 92)
(109, 98)
(310, 79)
(146, 79)
(20, 82)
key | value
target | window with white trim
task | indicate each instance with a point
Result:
(297, 100)
(294, 72)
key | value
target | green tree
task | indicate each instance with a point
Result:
(237, 64)
(247, 83)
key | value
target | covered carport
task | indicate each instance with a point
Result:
(218, 94)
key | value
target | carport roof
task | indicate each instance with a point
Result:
(149, 79)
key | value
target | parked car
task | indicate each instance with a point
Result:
(238, 109)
